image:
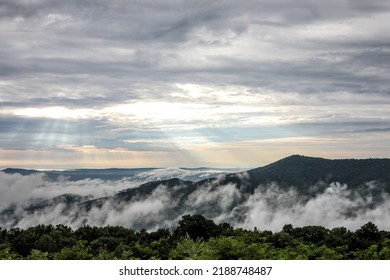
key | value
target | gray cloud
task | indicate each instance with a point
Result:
(148, 39)
(264, 65)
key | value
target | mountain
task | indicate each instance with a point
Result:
(112, 174)
(359, 186)
(82, 174)
(301, 173)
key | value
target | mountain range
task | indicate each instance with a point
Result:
(286, 184)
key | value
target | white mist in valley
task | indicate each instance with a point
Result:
(268, 207)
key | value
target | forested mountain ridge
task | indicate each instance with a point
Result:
(301, 172)
(361, 186)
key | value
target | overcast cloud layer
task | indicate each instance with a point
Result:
(192, 83)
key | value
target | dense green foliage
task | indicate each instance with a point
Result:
(194, 238)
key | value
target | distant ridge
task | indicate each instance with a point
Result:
(20, 171)
(81, 174)
(308, 177)
(296, 170)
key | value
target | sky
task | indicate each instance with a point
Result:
(95, 84)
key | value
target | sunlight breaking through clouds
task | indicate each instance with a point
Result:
(223, 77)
(53, 113)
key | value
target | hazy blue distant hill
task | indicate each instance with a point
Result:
(82, 174)
(193, 174)
(20, 171)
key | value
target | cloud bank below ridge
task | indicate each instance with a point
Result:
(268, 207)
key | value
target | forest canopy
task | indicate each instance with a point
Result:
(195, 237)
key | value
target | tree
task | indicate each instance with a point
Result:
(368, 231)
(196, 227)
(3, 235)
(364, 237)
(384, 253)
(6, 253)
(288, 229)
(282, 239)
(339, 236)
(46, 243)
(80, 251)
(187, 249)
(311, 234)
(142, 251)
(226, 248)
(38, 255)
(88, 233)
(24, 242)
(123, 252)
(371, 253)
